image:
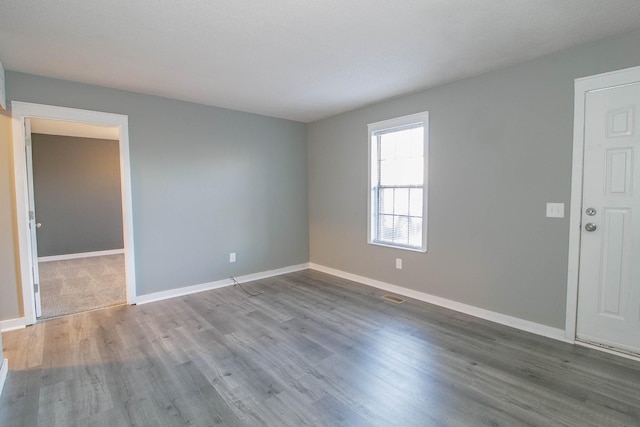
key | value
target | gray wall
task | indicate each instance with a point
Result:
(77, 194)
(206, 181)
(500, 148)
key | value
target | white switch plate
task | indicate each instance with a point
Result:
(555, 210)
(232, 257)
(399, 263)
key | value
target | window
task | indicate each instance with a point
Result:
(398, 152)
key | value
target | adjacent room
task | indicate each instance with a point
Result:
(79, 241)
(320, 213)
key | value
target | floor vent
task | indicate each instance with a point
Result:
(393, 299)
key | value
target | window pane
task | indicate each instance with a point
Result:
(401, 225)
(387, 148)
(385, 203)
(401, 161)
(417, 146)
(391, 172)
(415, 202)
(403, 143)
(401, 172)
(413, 171)
(415, 232)
(385, 228)
(401, 201)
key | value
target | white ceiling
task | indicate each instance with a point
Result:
(297, 59)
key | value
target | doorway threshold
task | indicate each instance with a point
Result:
(609, 349)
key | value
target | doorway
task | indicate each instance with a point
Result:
(78, 212)
(603, 301)
(23, 115)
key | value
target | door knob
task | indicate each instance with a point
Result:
(590, 227)
(38, 225)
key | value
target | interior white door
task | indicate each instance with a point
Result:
(609, 277)
(33, 225)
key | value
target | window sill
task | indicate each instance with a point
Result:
(404, 248)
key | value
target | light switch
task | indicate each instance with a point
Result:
(555, 210)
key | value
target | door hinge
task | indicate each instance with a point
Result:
(27, 141)
(32, 215)
(35, 287)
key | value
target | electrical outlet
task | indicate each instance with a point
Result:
(399, 263)
(555, 210)
(232, 257)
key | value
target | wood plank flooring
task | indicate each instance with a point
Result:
(312, 350)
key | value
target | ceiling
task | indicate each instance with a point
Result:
(297, 59)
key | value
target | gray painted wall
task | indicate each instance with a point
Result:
(206, 181)
(500, 148)
(77, 194)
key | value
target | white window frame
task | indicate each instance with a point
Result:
(372, 214)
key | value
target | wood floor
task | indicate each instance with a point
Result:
(311, 350)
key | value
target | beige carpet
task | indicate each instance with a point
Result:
(81, 284)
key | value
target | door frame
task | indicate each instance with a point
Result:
(19, 112)
(33, 227)
(581, 87)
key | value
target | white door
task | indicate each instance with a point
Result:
(609, 276)
(33, 224)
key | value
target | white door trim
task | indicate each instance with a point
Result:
(582, 86)
(22, 110)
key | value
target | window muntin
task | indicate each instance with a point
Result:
(398, 159)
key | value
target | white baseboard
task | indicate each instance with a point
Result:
(503, 319)
(4, 370)
(515, 322)
(11, 324)
(173, 293)
(80, 255)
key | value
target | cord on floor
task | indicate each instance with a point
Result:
(235, 282)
